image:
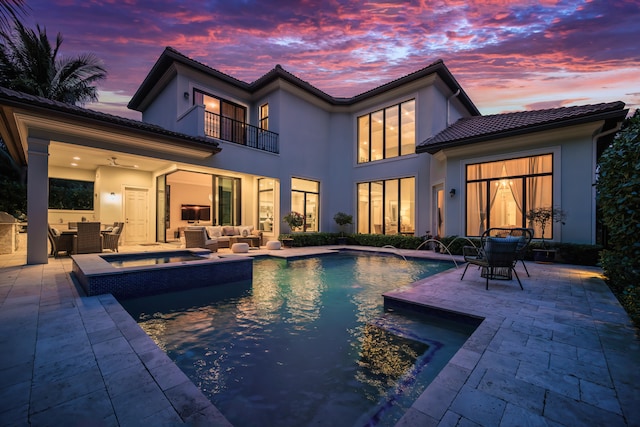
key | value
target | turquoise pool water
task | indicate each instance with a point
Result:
(308, 342)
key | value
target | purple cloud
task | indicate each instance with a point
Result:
(503, 53)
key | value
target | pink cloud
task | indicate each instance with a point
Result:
(501, 51)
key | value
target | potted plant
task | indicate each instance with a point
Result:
(342, 219)
(543, 217)
(295, 221)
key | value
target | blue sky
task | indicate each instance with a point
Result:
(507, 55)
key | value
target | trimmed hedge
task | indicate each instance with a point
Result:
(619, 202)
(566, 252)
(378, 240)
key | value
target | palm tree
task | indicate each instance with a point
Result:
(9, 10)
(29, 64)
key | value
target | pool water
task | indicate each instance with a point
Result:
(138, 261)
(307, 343)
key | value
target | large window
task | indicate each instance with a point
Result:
(387, 133)
(223, 119)
(266, 199)
(499, 194)
(305, 198)
(70, 194)
(387, 207)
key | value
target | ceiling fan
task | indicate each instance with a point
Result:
(113, 161)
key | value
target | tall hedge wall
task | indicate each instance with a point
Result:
(619, 201)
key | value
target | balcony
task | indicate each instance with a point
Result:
(228, 129)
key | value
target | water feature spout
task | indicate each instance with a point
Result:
(446, 248)
(396, 251)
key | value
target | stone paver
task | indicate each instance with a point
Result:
(560, 353)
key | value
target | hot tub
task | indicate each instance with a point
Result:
(148, 273)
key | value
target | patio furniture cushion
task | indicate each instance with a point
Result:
(214, 231)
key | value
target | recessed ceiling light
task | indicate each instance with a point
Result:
(76, 158)
(74, 164)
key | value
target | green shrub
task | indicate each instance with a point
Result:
(378, 240)
(13, 197)
(311, 239)
(619, 202)
(568, 253)
(455, 243)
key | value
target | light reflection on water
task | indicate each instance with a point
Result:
(306, 344)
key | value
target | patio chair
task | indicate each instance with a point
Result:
(199, 239)
(522, 235)
(111, 240)
(88, 240)
(497, 258)
(59, 243)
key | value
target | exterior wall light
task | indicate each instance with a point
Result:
(452, 192)
(186, 95)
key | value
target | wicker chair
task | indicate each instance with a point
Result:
(497, 258)
(59, 242)
(88, 240)
(111, 240)
(198, 239)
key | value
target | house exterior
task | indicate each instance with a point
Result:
(411, 156)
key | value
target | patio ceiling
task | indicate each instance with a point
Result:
(66, 156)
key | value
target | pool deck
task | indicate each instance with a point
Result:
(560, 353)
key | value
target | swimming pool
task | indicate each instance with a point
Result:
(308, 342)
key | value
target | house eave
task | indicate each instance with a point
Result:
(24, 116)
(610, 118)
(170, 56)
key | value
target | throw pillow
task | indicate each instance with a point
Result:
(228, 231)
(215, 231)
(244, 231)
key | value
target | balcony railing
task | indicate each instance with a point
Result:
(227, 129)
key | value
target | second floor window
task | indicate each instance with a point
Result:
(264, 117)
(387, 133)
(223, 119)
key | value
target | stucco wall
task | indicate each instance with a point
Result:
(573, 174)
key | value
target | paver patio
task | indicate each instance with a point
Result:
(561, 353)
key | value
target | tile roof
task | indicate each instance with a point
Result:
(482, 128)
(14, 98)
(171, 55)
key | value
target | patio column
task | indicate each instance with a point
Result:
(37, 200)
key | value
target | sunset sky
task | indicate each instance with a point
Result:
(507, 55)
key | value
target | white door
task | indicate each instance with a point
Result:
(136, 215)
